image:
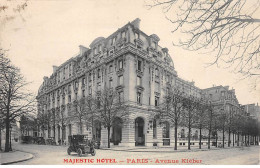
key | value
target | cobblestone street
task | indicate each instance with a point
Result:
(45, 154)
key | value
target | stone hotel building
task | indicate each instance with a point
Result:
(136, 66)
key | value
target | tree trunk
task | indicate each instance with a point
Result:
(175, 136)
(189, 139)
(248, 140)
(216, 139)
(7, 124)
(62, 134)
(209, 137)
(223, 136)
(108, 137)
(229, 141)
(245, 140)
(233, 139)
(200, 139)
(0, 139)
(238, 139)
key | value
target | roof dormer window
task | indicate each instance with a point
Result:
(95, 50)
(113, 41)
(99, 48)
(123, 34)
(154, 44)
(137, 35)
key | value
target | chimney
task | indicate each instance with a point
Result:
(136, 23)
(82, 49)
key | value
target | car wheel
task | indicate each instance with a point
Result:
(93, 152)
(79, 151)
(68, 151)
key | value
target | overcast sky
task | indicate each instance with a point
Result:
(48, 32)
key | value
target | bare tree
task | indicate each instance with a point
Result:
(230, 123)
(62, 120)
(171, 109)
(92, 106)
(42, 121)
(209, 120)
(112, 106)
(228, 28)
(15, 99)
(201, 115)
(189, 115)
(222, 119)
(80, 111)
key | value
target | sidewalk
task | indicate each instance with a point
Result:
(163, 149)
(14, 157)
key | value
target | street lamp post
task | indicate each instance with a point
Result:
(10, 148)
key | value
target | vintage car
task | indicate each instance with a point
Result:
(40, 141)
(50, 141)
(27, 139)
(81, 145)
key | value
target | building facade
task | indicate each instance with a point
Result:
(136, 66)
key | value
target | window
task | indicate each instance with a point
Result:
(123, 34)
(83, 93)
(121, 81)
(136, 35)
(156, 102)
(139, 65)
(99, 86)
(69, 98)
(99, 48)
(166, 130)
(110, 84)
(154, 44)
(64, 73)
(222, 93)
(156, 72)
(95, 50)
(83, 81)
(90, 90)
(120, 96)
(139, 81)
(111, 52)
(76, 85)
(120, 64)
(113, 40)
(157, 86)
(69, 88)
(76, 96)
(110, 68)
(99, 73)
(70, 69)
(89, 77)
(138, 98)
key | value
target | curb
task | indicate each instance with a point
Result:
(173, 151)
(21, 160)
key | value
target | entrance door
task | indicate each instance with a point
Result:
(139, 132)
